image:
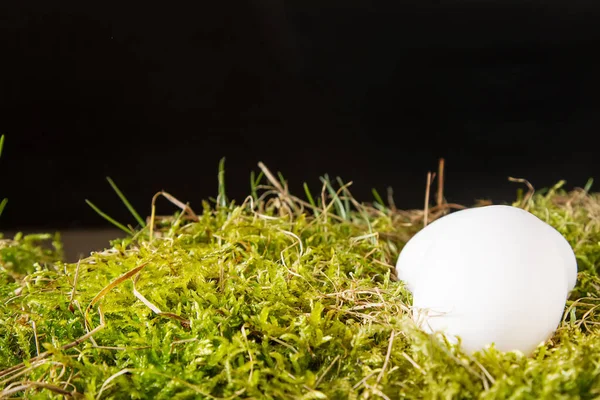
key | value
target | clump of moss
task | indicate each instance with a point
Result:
(275, 298)
(23, 254)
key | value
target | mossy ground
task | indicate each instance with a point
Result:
(275, 298)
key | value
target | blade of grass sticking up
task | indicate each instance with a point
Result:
(379, 204)
(372, 237)
(252, 185)
(588, 185)
(108, 218)
(259, 178)
(222, 197)
(377, 197)
(4, 201)
(2, 205)
(153, 214)
(346, 200)
(337, 202)
(390, 197)
(137, 217)
(311, 200)
(281, 178)
(254, 182)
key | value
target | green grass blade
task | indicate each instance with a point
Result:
(311, 200)
(222, 197)
(259, 178)
(346, 198)
(2, 205)
(377, 197)
(378, 204)
(253, 190)
(588, 185)
(281, 179)
(336, 199)
(137, 216)
(1, 144)
(108, 218)
(254, 182)
(363, 214)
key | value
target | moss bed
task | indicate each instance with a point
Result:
(280, 297)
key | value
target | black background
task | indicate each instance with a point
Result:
(154, 95)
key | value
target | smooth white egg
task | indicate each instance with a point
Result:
(489, 275)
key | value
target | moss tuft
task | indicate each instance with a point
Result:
(275, 298)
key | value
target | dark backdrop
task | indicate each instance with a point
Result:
(154, 95)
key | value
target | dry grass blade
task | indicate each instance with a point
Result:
(440, 189)
(526, 200)
(112, 285)
(184, 207)
(447, 206)
(23, 386)
(335, 197)
(270, 177)
(320, 378)
(110, 379)
(144, 300)
(413, 363)
(25, 371)
(387, 357)
(88, 335)
(283, 192)
(184, 322)
(181, 382)
(430, 177)
(434, 212)
(249, 353)
(35, 337)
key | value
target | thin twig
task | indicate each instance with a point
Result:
(70, 306)
(387, 357)
(24, 371)
(249, 354)
(112, 285)
(440, 190)
(413, 362)
(111, 378)
(390, 199)
(144, 300)
(183, 206)
(530, 191)
(35, 335)
(283, 191)
(427, 190)
(30, 384)
(318, 382)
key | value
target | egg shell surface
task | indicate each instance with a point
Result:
(489, 275)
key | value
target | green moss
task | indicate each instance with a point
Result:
(23, 254)
(275, 298)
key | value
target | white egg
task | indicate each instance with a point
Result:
(489, 275)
